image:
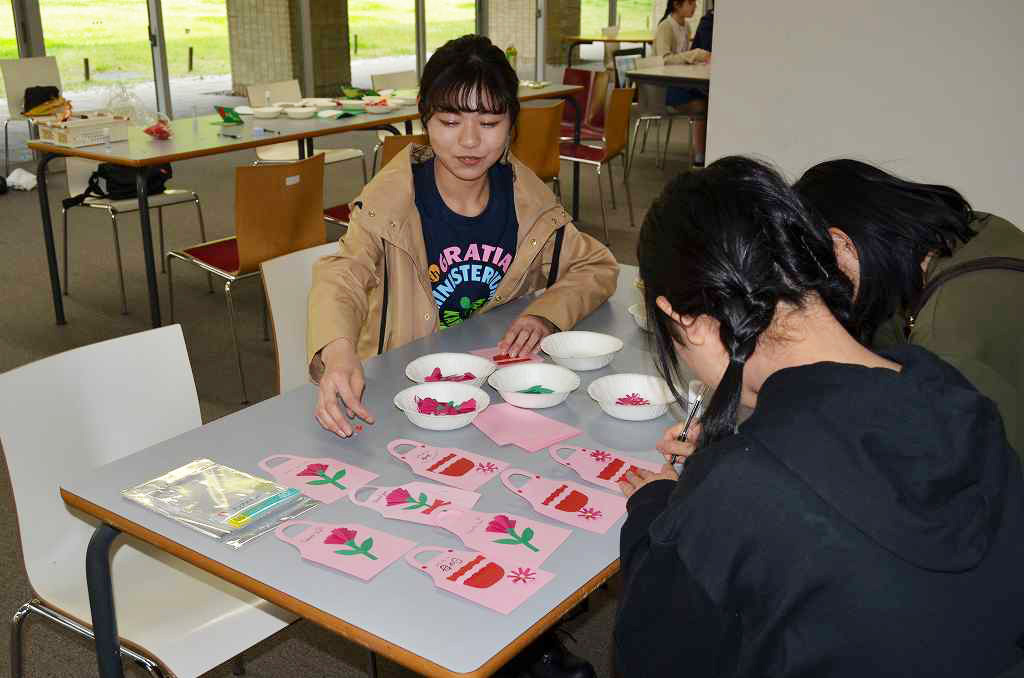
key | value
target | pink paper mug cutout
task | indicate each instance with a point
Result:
(499, 586)
(600, 467)
(568, 502)
(447, 465)
(325, 479)
(503, 536)
(413, 502)
(354, 549)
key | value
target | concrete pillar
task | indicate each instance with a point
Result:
(511, 22)
(332, 66)
(563, 18)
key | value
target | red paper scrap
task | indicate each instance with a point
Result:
(432, 406)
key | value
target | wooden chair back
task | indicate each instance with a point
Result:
(616, 129)
(399, 80)
(585, 78)
(394, 143)
(598, 99)
(278, 209)
(536, 138)
(281, 91)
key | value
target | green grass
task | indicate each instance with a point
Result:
(112, 33)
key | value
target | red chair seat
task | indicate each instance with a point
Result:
(222, 254)
(339, 214)
(587, 133)
(569, 150)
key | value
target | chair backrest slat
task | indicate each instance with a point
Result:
(398, 80)
(20, 74)
(280, 91)
(585, 78)
(599, 98)
(536, 139)
(394, 143)
(616, 129)
(278, 209)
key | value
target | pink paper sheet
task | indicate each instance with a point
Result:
(323, 478)
(509, 425)
(568, 502)
(492, 351)
(351, 548)
(500, 587)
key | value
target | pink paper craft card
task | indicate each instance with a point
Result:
(503, 536)
(324, 479)
(353, 549)
(413, 502)
(447, 465)
(599, 466)
(489, 353)
(568, 502)
(509, 425)
(501, 587)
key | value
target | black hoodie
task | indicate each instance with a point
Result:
(862, 522)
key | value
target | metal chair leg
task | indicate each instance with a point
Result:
(234, 336)
(600, 199)
(557, 185)
(611, 186)
(67, 283)
(668, 137)
(202, 237)
(238, 666)
(16, 621)
(657, 142)
(632, 150)
(163, 250)
(647, 129)
(629, 197)
(170, 288)
(371, 669)
(362, 163)
(120, 268)
(693, 156)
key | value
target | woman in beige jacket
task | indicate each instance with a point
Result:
(446, 231)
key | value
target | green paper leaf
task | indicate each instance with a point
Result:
(322, 481)
(423, 498)
(507, 541)
(367, 544)
(338, 476)
(349, 553)
(528, 534)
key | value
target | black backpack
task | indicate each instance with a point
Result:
(39, 95)
(118, 183)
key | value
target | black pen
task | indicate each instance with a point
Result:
(689, 420)
(271, 131)
(230, 136)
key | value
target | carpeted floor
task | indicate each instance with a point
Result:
(28, 332)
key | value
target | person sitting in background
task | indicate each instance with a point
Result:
(866, 519)
(672, 42)
(897, 241)
(702, 38)
(446, 231)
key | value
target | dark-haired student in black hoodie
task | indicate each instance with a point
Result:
(866, 520)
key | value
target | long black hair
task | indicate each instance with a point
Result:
(469, 75)
(731, 242)
(894, 224)
(671, 6)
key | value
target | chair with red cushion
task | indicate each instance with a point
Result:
(277, 211)
(616, 143)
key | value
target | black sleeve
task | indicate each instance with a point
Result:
(666, 622)
(702, 38)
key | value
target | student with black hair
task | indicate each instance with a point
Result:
(446, 231)
(672, 43)
(928, 270)
(866, 519)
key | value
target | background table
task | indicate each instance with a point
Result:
(675, 75)
(574, 40)
(194, 138)
(399, 614)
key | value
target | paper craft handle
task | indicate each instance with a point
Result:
(266, 465)
(437, 515)
(401, 442)
(555, 449)
(280, 531)
(506, 477)
(354, 496)
(410, 557)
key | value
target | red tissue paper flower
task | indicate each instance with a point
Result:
(432, 406)
(632, 399)
(501, 524)
(437, 376)
(398, 496)
(313, 470)
(340, 535)
(522, 575)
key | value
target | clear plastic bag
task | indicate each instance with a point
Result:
(125, 104)
(231, 506)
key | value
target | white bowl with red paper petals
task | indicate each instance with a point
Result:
(442, 405)
(632, 397)
(463, 368)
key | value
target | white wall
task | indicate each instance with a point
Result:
(930, 89)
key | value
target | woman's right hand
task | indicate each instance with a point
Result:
(670, 446)
(342, 378)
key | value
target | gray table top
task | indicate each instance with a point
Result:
(401, 605)
(673, 74)
(201, 137)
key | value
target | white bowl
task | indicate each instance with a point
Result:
(352, 104)
(608, 390)
(450, 363)
(511, 381)
(300, 112)
(640, 316)
(380, 108)
(243, 110)
(266, 112)
(581, 350)
(400, 101)
(320, 103)
(444, 391)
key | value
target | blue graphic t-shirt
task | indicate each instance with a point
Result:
(468, 256)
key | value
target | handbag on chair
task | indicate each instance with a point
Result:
(115, 182)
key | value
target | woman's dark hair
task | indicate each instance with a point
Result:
(671, 6)
(731, 242)
(894, 223)
(469, 75)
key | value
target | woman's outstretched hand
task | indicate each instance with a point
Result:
(342, 378)
(524, 335)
